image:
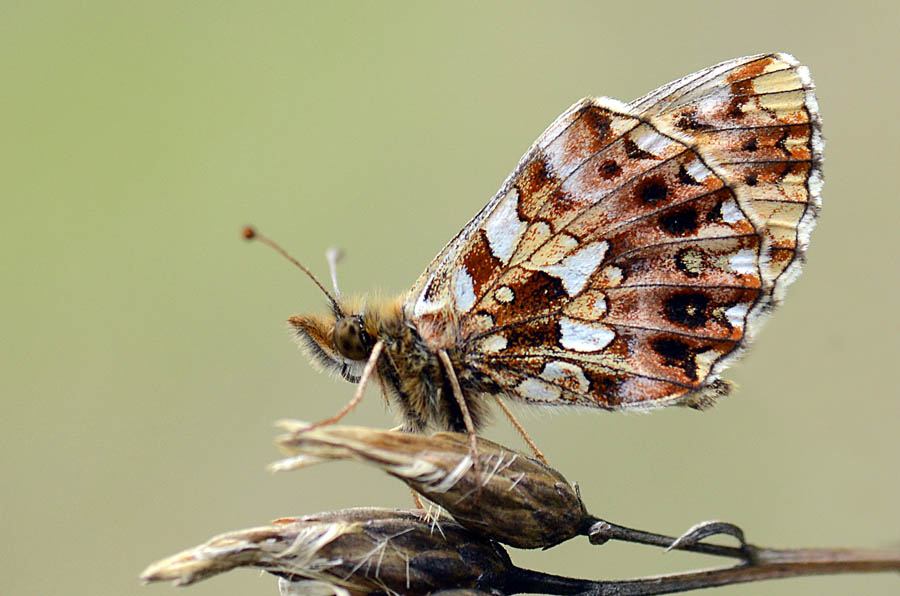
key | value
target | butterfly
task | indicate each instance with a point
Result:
(628, 259)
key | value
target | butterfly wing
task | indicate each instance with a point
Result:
(617, 267)
(758, 118)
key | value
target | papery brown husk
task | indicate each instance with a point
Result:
(508, 496)
(360, 551)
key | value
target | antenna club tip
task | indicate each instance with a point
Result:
(249, 232)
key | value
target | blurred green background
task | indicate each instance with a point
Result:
(145, 354)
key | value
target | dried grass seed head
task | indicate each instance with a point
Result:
(507, 497)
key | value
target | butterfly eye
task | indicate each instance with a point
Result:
(350, 339)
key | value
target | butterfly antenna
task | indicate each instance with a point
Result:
(334, 255)
(250, 233)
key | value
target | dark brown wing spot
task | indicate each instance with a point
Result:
(653, 190)
(609, 169)
(600, 122)
(605, 387)
(751, 179)
(536, 333)
(687, 310)
(539, 290)
(535, 294)
(679, 223)
(751, 145)
(715, 214)
(676, 353)
(534, 184)
(740, 91)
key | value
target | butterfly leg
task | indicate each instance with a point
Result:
(458, 394)
(384, 391)
(360, 388)
(521, 430)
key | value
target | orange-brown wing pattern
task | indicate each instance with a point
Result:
(622, 263)
(758, 118)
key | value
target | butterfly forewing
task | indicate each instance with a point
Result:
(624, 259)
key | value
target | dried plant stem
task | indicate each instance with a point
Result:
(766, 564)
(602, 531)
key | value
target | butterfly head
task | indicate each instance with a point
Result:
(335, 341)
(342, 339)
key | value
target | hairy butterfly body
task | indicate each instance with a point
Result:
(627, 260)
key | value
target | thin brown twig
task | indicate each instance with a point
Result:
(766, 564)
(602, 531)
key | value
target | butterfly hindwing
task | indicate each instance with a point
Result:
(758, 117)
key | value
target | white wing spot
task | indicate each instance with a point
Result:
(709, 106)
(463, 290)
(584, 337)
(567, 374)
(731, 213)
(743, 261)
(575, 269)
(505, 294)
(737, 313)
(538, 390)
(652, 142)
(493, 343)
(503, 228)
(698, 171)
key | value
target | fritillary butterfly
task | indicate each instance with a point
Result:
(624, 264)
